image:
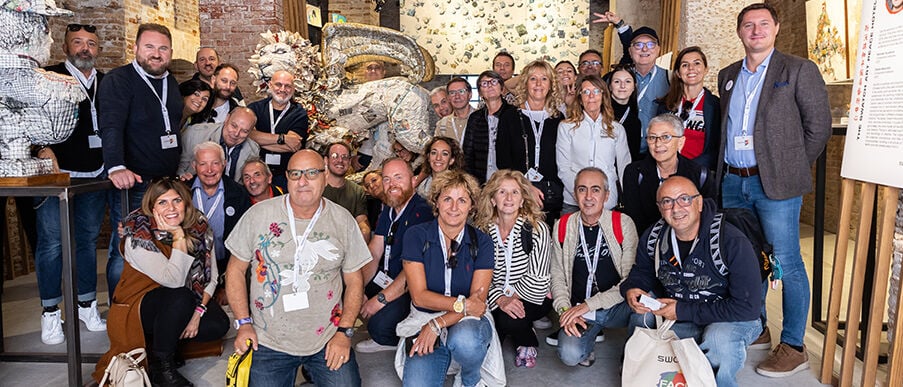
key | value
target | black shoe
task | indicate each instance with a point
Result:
(163, 372)
(552, 339)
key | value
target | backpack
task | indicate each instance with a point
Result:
(615, 226)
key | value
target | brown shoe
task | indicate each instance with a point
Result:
(784, 361)
(764, 340)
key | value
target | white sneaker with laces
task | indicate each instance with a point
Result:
(370, 346)
(52, 328)
(91, 318)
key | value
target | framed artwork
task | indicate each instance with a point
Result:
(826, 38)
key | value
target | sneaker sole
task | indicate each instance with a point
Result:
(62, 340)
(779, 374)
(760, 346)
(552, 342)
(600, 339)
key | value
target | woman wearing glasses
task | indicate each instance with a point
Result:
(665, 137)
(591, 137)
(168, 280)
(622, 83)
(484, 125)
(448, 265)
(442, 154)
(696, 106)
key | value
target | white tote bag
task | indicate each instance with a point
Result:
(657, 357)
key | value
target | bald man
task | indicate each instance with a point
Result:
(232, 135)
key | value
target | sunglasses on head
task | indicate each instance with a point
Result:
(685, 111)
(453, 254)
(78, 27)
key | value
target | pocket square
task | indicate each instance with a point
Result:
(781, 84)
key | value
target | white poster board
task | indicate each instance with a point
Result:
(874, 143)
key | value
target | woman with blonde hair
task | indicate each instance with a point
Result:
(520, 281)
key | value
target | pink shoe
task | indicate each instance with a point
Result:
(530, 357)
(521, 359)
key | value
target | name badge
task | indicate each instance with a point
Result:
(508, 291)
(533, 175)
(295, 301)
(590, 316)
(169, 141)
(94, 141)
(382, 279)
(743, 142)
(273, 159)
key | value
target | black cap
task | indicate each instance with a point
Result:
(644, 31)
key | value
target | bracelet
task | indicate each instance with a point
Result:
(444, 324)
(464, 301)
(434, 326)
(201, 309)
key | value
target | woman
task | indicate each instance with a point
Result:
(483, 126)
(622, 83)
(665, 137)
(529, 145)
(196, 97)
(696, 106)
(590, 137)
(168, 279)
(517, 297)
(442, 154)
(448, 265)
(410, 157)
(567, 76)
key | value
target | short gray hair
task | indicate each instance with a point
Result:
(670, 119)
(209, 145)
(437, 90)
(592, 169)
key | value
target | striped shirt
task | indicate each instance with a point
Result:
(529, 274)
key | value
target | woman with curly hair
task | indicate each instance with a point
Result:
(442, 154)
(520, 281)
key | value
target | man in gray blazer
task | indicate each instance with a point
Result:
(232, 135)
(777, 123)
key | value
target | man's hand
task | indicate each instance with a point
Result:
(338, 350)
(538, 195)
(512, 306)
(185, 176)
(607, 17)
(47, 153)
(572, 318)
(668, 309)
(245, 332)
(371, 307)
(633, 300)
(293, 140)
(124, 179)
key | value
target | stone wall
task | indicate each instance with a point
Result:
(712, 25)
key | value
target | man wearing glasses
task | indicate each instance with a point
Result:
(341, 191)
(590, 63)
(455, 124)
(297, 312)
(714, 299)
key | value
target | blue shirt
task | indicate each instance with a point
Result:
(415, 212)
(216, 217)
(426, 235)
(656, 84)
(744, 103)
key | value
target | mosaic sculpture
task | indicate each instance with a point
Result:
(36, 107)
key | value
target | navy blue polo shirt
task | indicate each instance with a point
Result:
(417, 211)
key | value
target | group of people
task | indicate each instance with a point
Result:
(565, 190)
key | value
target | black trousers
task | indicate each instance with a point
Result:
(521, 329)
(165, 312)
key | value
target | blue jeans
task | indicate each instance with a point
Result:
(381, 325)
(780, 221)
(573, 349)
(467, 344)
(87, 215)
(278, 369)
(115, 262)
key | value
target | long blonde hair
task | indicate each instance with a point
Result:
(487, 213)
(553, 98)
(575, 109)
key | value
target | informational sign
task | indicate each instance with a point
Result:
(874, 143)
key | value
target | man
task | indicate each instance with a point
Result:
(374, 70)
(594, 257)
(388, 300)
(206, 61)
(222, 201)
(503, 64)
(281, 125)
(300, 317)
(232, 135)
(455, 124)
(139, 111)
(81, 156)
(439, 102)
(372, 182)
(776, 124)
(341, 191)
(258, 180)
(715, 299)
(590, 63)
(225, 82)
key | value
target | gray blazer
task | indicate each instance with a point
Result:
(196, 134)
(793, 124)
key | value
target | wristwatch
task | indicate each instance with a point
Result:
(243, 321)
(458, 306)
(382, 299)
(347, 331)
(620, 24)
(281, 139)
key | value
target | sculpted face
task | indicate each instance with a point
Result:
(274, 57)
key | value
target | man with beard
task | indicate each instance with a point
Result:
(281, 125)
(205, 62)
(258, 181)
(225, 82)
(232, 135)
(388, 302)
(81, 156)
(139, 111)
(341, 191)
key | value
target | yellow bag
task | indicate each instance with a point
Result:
(239, 368)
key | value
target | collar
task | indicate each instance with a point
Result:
(586, 117)
(197, 185)
(761, 66)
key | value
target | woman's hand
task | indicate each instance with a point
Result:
(176, 230)
(191, 330)
(425, 341)
(514, 307)
(475, 305)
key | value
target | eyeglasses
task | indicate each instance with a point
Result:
(587, 92)
(490, 82)
(78, 27)
(683, 200)
(400, 151)
(685, 110)
(309, 174)
(458, 92)
(336, 156)
(649, 45)
(590, 63)
(453, 254)
(665, 138)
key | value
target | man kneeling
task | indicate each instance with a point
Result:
(715, 298)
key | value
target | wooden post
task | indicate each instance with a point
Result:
(847, 190)
(895, 362)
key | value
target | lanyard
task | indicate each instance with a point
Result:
(391, 234)
(592, 137)
(677, 250)
(84, 82)
(590, 267)
(537, 131)
(508, 246)
(200, 202)
(274, 123)
(624, 117)
(749, 98)
(300, 241)
(652, 78)
(692, 113)
(448, 270)
(163, 109)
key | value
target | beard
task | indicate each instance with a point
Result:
(145, 64)
(396, 201)
(83, 63)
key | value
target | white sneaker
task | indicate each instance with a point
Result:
(543, 323)
(92, 318)
(370, 346)
(52, 328)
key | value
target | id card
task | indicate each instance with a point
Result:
(743, 142)
(295, 301)
(273, 159)
(94, 141)
(382, 279)
(169, 141)
(533, 175)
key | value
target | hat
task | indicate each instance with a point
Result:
(40, 7)
(644, 31)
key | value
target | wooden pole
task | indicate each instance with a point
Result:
(847, 190)
(895, 357)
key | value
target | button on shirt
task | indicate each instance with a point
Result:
(744, 88)
(658, 86)
(217, 217)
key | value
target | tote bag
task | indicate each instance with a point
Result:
(657, 357)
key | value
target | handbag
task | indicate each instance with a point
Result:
(125, 370)
(239, 368)
(657, 357)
